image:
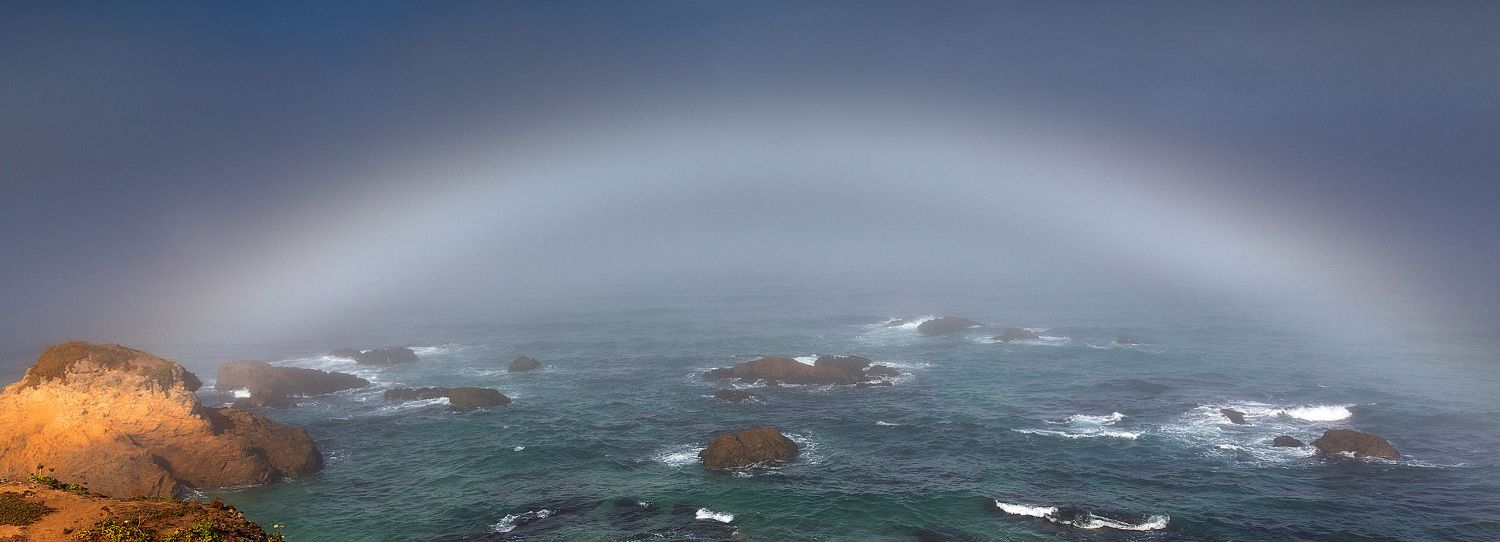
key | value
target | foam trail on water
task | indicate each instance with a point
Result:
(722, 517)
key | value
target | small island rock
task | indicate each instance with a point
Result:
(522, 364)
(1015, 334)
(1234, 416)
(1286, 441)
(748, 448)
(1336, 441)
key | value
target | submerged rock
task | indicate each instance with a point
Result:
(126, 423)
(1234, 416)
(734, 396)
(1127, 340)
(946, 325)
(460, 399)
(1285, 441)
(385, 356)
(1336, 441)
(1015, 334)
(748, 448)
(272, 386)
(522, 364)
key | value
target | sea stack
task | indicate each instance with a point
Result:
(748, 448)
(274, 386)
(128, 424)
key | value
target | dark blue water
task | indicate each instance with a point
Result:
(602, 441)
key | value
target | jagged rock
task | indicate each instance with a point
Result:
(734, 396)
(1234, 416)
(460, 399)
(947, 325)
(1015, 334)
(126, 423)
(852, 365)
(748, 448)
(1286, 441)
(272, 382)
(1335, 441)
(77, 516)
(882, 371)
(524, 363)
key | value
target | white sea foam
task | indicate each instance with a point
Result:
(1086, 426)
(508, 523)
(808, 359)
(518, 448)
(1319, 413)
(1026, 510)
(908, 324)
(241, 393)
(886, 423)
(678, 456)
(410, 405)
(722, 517)
(1092, 521)
(1085, 520)
(436, 350)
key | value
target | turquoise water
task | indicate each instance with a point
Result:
(602, 441)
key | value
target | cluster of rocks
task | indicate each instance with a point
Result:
(1333, 441)
(837, 370)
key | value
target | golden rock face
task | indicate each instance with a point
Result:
(128, 424)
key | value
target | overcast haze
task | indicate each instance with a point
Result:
(176, 166)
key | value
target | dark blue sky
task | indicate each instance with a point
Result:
(138, 138)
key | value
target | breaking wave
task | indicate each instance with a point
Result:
(511, 521)
(721, 517)
(1083, 519)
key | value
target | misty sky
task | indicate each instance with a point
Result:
(205, 160)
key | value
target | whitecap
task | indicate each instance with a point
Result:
(678, 456)
(518, 448)
(435, 350)
(508, 523)
(722, 517)
(409, 405)
(886, 423)
(1086, 426)
(1319, 413)
(241, 393)
(1026, 510)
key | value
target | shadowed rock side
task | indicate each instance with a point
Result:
(272, 386)
(1336, 441)
(748, 448)
(1234, 416)
(73, 516)
(126, 423)
(460, 399)
(946, 325)
(824, 370)
(1286, 441)
(1015, 334)
(523, 364)
(386, 356)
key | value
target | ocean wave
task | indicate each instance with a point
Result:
(511, 521)
(1041, 340)
(721, 517)
(1319, 413)
(436, 350)
(1086, 426)
(412, 405)
(241, 393)
(886, 423)
(808, 450)
(1207, 428)
(1083, 519)
(678, 456)
(908, 324)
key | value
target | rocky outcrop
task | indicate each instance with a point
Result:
(1286, 441)
(272, 386)
(127, 423)
(1234, 416)
(75, 516)
(379, 356)
(460, 399)
(1015, 334)
(774, 370)
(747, 449)
(882, 371)
(734, 396)
(946, 325)
(1338, 441)
(522, 364)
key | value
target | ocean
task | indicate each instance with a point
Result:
(1066, 437)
